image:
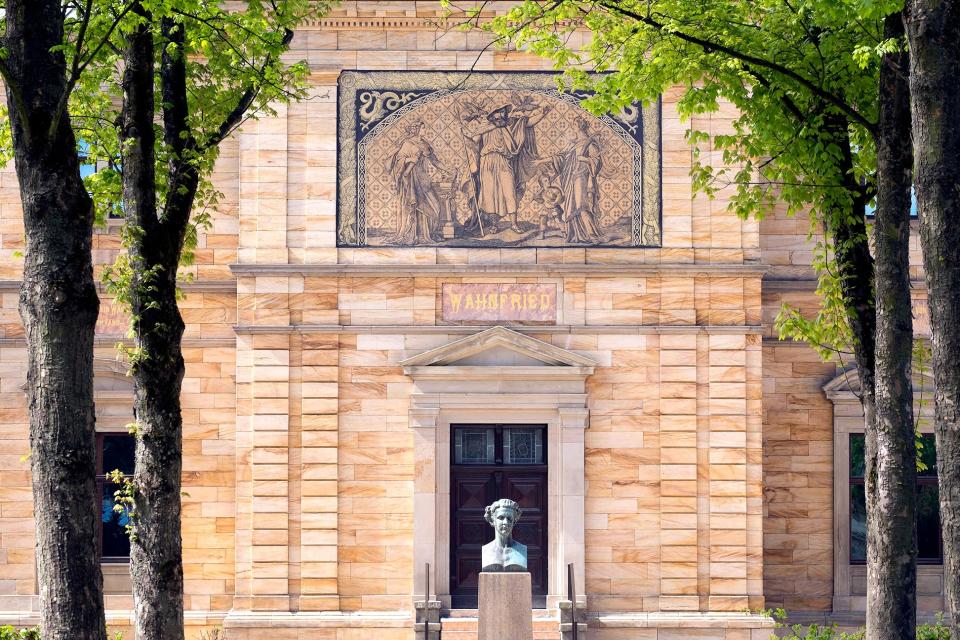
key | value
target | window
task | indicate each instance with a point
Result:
(523, 445)
(871, 209)
(930, 547)
(498, 444)
(114, 451)
(90, 165)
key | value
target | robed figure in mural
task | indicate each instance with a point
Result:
(576, 171)
(420, 206)
(501, 153)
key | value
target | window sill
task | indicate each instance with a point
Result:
(116, 577)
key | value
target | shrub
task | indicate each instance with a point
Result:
(817, 632)
(936, 631)
(9, 633)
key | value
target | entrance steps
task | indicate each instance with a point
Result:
(461, 624)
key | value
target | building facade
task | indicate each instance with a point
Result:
(425, 289)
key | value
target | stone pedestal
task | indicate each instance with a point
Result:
(428, 619)
(506, 607)
(569, 613)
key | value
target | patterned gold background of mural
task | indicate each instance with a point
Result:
(491, 159)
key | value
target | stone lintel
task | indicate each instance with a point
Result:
(538, 269)
(453, 329)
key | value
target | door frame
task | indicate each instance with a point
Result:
(541, 469)
(565, 488)
(498, 375)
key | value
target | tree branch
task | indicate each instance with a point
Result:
(709, 46)
(183, 176)
(104, 42)
(210, 23)
(84, 23)
(18, 101)
(246, 99)
(78, 70)
(137, 134)
(786, 100)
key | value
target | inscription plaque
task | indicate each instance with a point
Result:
(113, 320)
(500, 302)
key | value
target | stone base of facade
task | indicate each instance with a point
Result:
(325, 625)
(674, 626)
(118, 620)
(398, 625)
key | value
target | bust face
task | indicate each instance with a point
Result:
(503, 521)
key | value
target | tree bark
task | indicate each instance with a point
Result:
(933, 31)
(155, 550)
(854, 263)
(59, 307)
(890, 445)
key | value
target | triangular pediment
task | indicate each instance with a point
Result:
(498, 346)
(847, 386)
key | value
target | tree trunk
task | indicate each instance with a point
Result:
(155, 551)
(59, 307)
(854, 264)
(933, 30)
(890, 444)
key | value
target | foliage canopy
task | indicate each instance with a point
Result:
(801, 74)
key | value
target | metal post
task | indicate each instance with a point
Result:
(572, 595)
(426, 606)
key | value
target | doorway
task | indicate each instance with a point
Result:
(489, 462)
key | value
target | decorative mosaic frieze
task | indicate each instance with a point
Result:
(491, 159)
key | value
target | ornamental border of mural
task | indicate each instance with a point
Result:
(429, 200)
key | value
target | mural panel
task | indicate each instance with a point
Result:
(491, 159)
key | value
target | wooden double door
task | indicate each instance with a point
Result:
(489, 462)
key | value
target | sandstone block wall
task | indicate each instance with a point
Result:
(708, 457)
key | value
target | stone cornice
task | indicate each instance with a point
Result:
(541, 269)
(213, 286)
(810, 284)
(109, 341)
(423, 404)
(492, 372)
(469, 329)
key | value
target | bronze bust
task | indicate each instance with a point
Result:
(503, 553)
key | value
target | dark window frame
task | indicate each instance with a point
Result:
(923, 479)
(102, 483)
(498, 429)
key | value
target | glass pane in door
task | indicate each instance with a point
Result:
(474, 446)
(523, 445)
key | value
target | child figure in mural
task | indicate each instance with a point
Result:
(420, 207)
(576, 171)
(501, 153)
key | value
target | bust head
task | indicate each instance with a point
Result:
(503, 553)
(502, 516)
